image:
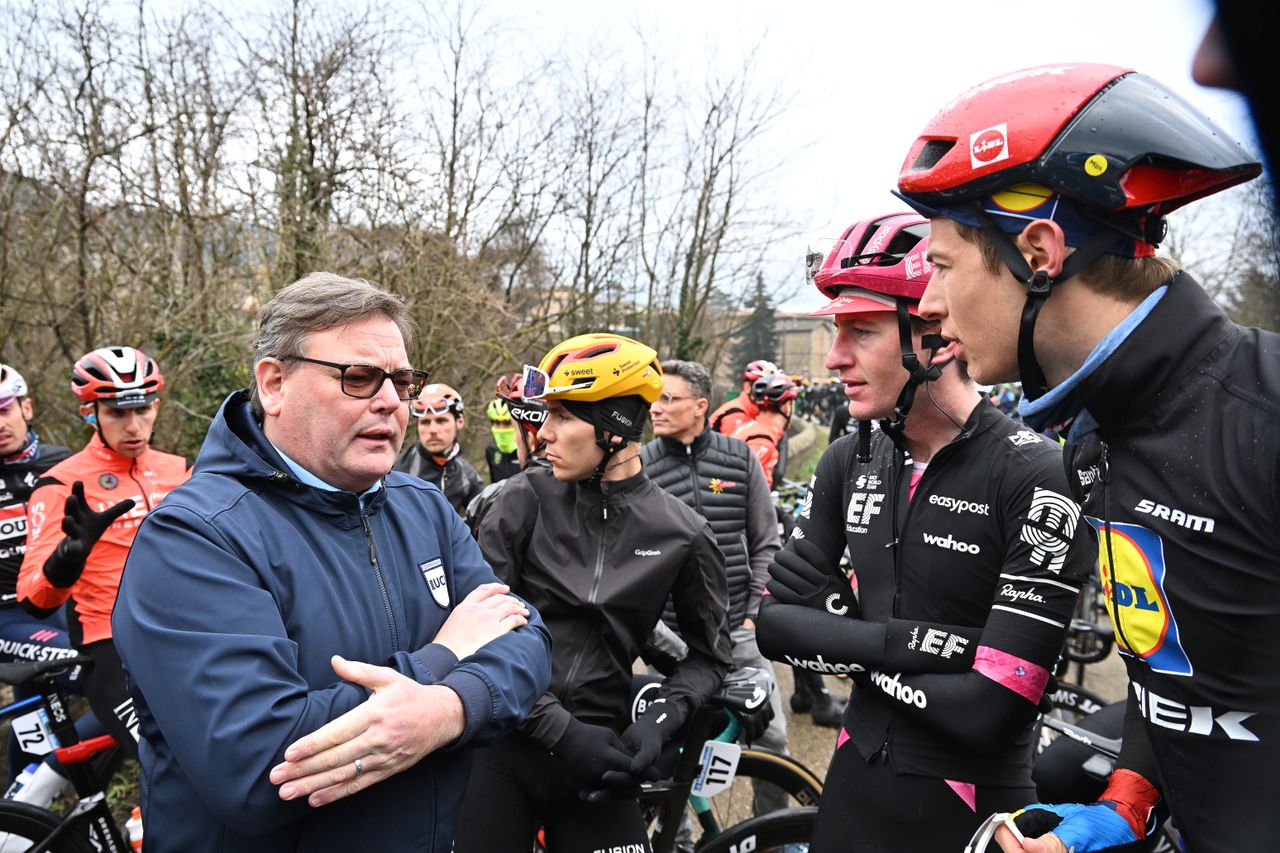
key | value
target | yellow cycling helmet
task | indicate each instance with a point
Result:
(593, 367)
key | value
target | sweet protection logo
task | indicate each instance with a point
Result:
(989, 145)
(1146, 625)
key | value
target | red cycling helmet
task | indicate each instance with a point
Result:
(121, 377)
(770, 392)
(758, 368)
(1103, 135)
(875, 263)
(1102, 150)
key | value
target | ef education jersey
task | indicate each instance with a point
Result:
(987, 538)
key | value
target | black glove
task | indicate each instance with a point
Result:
(755, 723)
(797, 576)
(84, 528)
(588, 752)
(911, 646)
(646, 736)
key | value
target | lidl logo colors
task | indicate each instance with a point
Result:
(1134, 587)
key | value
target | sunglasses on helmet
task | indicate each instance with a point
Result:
(537, 384)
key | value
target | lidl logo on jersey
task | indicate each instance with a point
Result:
(1139, 606)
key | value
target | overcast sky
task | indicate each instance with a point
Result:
(867, 76)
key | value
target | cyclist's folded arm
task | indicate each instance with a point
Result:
(546, 722)
(815, 639)
(504, 530)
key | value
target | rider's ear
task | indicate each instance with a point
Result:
(1044, 246)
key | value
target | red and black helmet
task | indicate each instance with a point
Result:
(875, 263)
(122, 377)
(1103, 135)
(770, 392)
(758, 368)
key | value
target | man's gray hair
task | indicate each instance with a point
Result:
(697, 375)
(319, 301)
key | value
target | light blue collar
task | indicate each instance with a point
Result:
(306, 477)
(1060, 404)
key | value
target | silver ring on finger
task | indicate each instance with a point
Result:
(359, 766)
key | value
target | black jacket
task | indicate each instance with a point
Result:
(457, 478)
(719, 477)
(598, 564)
(989, 540)
(16, 482)
(1184, 473)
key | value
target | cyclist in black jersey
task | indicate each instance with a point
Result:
(598, 548)
(23, 458)
(1044, 234)
(968, 557)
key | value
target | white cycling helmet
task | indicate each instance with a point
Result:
(12, 385)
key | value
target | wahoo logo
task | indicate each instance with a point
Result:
(894, 689)
(1048, 528)
(989, 145)
(1145, 623)
(437, 583)
(820, 665)
(1198, 523)
(950, 543)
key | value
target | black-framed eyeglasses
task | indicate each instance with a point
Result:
(363, 381)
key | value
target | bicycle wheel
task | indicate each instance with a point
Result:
(800, 785)
(22, 826)
(789, 829)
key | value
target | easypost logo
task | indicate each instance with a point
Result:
(958, 505)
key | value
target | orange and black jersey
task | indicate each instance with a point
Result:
(108, 479)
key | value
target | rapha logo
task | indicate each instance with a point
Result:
(433, 574)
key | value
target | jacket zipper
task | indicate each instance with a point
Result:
(377, 572)
(693, 476)
(146, 494)
(591, 599)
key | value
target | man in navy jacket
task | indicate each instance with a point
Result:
(313, 641)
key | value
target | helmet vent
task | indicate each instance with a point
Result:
(933, 151)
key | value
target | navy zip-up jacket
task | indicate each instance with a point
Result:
(237, 592)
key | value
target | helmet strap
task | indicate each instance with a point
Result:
(917, 373)
(1039, 285)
